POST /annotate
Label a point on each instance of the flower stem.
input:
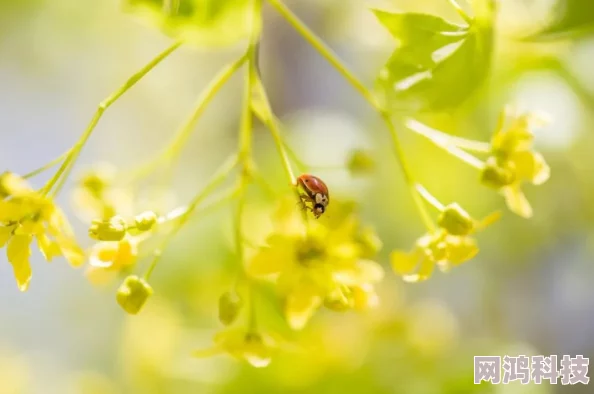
(467, 18)
(219, 177)
(445, 143)
(436, 135)
(430, 198)
(46, 166)
(179, 141)
(334, 60)
(74, 152)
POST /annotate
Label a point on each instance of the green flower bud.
(230, 305)
(360, 162)
(133, 294)
(495, 175)
(455, 220)
(113, 229)
(145, 221)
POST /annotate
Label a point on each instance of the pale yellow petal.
(530, 166)
(49, 249)
(461, 249)
(301, 304)
(5, 234)
(516, 201)
(403, 263)
(423, 273)
(270, 260)
(18, 253)
(361, 271)
(71, 251)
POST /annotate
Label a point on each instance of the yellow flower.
(26, 215)
(96, 195)
(446, 247)
(252, 347)
(108, 258)
(513, 161)
(317, 264)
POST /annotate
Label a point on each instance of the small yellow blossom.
(96, 194)
(317, 264)
(255, 348)
(27, 215)
(108, 258)
(513, 161)
(448, 246)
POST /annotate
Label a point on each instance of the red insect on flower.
(315, 192)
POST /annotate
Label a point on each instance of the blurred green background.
(528, 292)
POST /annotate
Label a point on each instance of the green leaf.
(570, 18)
(201, 22)
(436, 65)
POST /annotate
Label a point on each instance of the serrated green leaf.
(201, 22)
(437, 64)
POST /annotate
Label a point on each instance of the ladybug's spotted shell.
(313, 185)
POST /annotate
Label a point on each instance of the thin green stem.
(68, 163)
(335, 61)
(446, 139)
(219, 177)
(323, 49)
(445, 144)
(410, 182)
(181, 137)
(430, 198)
(47, 166)
(270, 121)
(467, 18)
(221, 200)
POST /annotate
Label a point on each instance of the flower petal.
(48, 248)
(531, 166)
(516, 201)
(18, 253)
(271, 259)
(362, 271)
(402, 262)
(5, 234)
(424, 272)
(301, 304)
(461, 249)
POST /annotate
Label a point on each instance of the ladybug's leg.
(304, 200)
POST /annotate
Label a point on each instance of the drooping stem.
(467, 18)
(446, 139)
(335, 61)
(74, 152)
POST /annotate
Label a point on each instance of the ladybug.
(315, 192)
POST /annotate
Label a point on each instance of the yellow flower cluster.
(27, 215)
(513, 160)
(317, 263)
(448, 246)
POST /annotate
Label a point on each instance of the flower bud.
(230, 304)
(133, 294)
(360, 162)
(455, 220)
(145, 221)
(113, 229)
(495, 175)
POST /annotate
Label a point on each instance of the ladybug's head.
(319, 209)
